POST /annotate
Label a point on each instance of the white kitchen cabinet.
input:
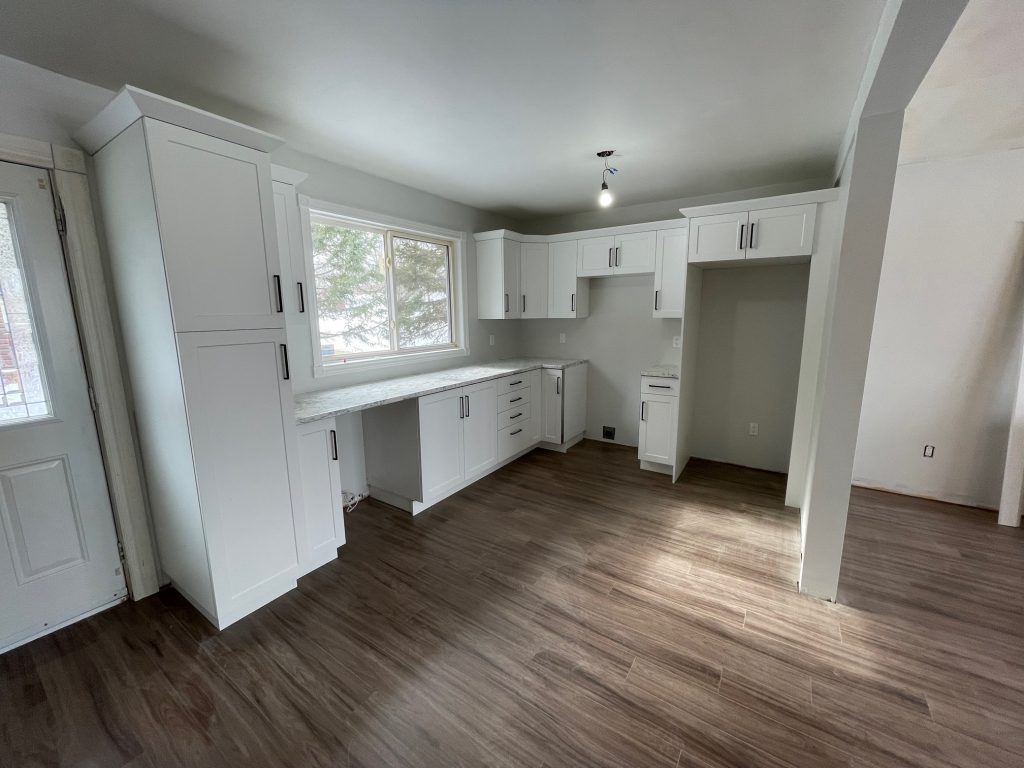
(240, 425)
(568, 294)
(634, 253)
(595, 256)
(536, 403)
(628, 254)
(767, 233)
(533, 280)
(564, 396)
(321, 501)
(480, 425)
(193, 255)
(498, 291)
(781, 232)
(214, 205)
(670, 272)
(717, 238)
(442, 442)
(658, 419)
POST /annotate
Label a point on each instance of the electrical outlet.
(561, 338)
(752, 429)
(929, 451)
(492, 339)
(608, 433)
(677, 342)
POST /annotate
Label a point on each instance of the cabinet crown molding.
(624, 229)
(778, 201)
(131, 103)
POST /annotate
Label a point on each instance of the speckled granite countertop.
(662, 371)
(311, 406)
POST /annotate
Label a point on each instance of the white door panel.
(552, 386)
(58, 547)
(657, 429)
(533, 278)
(441, 441)
(718, 238)
(595, 256)
(215, 208)
(670, 273)
(780, 232)
(480, 427)
(634, 253)
(321, 494)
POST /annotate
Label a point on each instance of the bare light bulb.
(605, 198)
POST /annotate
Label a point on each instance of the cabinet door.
(240, 415)
(634, 253)
(490, 280)
(595, 256)
(562, 280)
(533, 279)
(670, 273)
(536, 406)
(717, 238)
(215, 207)
(441, 442)
(322, 507)
(480, 427)
(552, 397)
(779, 232)
(513, 299)
(574, 401)
(658, 429)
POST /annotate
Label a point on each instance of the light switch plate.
(492, 339)
(677, 342)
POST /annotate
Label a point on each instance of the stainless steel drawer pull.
(514, 383)
(659, 386)
(516, 432)
(514, 400)
(516, 416)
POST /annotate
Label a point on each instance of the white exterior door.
(321, 494)
(552, 399)
(441, 443)
(215, 205)
(533, 279)
(480, 427)
(657, 429)
(780, 232)
(634, 253)
(58, 549)
(595, 256)
(718, 238)
(240, 407)
(670, 273)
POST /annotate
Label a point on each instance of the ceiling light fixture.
(605, 198)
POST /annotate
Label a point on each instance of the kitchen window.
(381, 293)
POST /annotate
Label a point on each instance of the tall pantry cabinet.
(188, 209)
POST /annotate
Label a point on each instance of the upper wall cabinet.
(768, 233)
(533, 279)
(215, 209)
(497, 272)
(628, 254)
(568, 294)
(670, 272)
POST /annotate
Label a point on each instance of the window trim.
(355, 217)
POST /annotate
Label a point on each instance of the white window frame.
(360, 219)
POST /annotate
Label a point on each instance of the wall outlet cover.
(929, 451)
(752, 429)
(561, 338)
(608, 433)
(677, 342)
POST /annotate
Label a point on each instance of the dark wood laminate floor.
(565, 611)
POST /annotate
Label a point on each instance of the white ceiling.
(972, 99)
(498, 104)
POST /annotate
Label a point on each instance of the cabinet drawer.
(512, 440)
(656, 385)
(518, 415)
(514, 399)
(509, 383)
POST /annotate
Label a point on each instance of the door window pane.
(422, 293)
(23, 394)
(351, 290)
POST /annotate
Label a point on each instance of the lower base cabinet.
(659, 404)
(322, 503)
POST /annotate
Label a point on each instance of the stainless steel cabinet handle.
(462, 409)
(656, 299)
(739, 246)
(658, 386)
(558, 385)
(643, 415)
(334, 445)
(515, 383)
(302, 299)
(506, 303)
(574, 302)
(618, 259)
(516, 432)
(277, 292)
(514, 400)
(284, 362)
(467, 406)
(524, 302)
(610, 257)
(516, 416)
(750, 239)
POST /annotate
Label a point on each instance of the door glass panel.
(23, 394)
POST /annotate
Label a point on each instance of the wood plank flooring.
(565, 611)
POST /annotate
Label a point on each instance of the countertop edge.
(430, 390)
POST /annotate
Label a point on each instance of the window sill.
(332, 370)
